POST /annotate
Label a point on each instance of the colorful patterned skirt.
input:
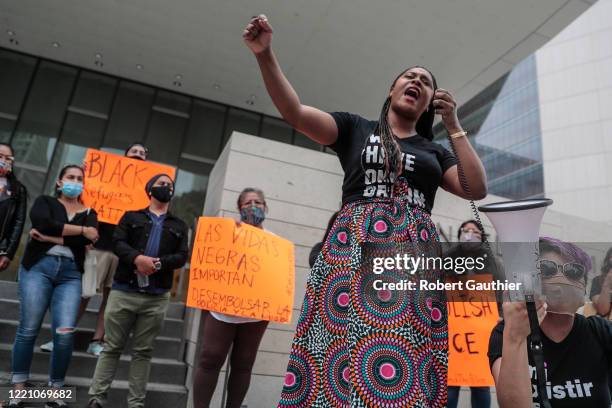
(359, 347)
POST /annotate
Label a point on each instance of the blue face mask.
(252, 215)
(71, 189)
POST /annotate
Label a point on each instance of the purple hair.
(569, 251)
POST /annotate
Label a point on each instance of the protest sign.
(115, 184)
(241, 270)
(471, 318)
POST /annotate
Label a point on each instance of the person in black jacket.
(50, 277)
(105, 266)
(150, 243)
(13, 202)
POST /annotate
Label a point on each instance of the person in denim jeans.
(50, 277)
(104, 268)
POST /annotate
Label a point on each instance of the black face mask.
(162, 194)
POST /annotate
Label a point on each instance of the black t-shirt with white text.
(576, 368)
(362, 159)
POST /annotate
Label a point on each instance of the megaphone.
(517, 224)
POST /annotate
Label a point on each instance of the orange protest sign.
(471, 318)
(241, 270)
(115, 184)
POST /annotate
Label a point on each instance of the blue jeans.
(52, 282)
(481, 397)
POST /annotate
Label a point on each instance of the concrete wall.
(303, 189)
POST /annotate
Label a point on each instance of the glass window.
(205, 130)
(164, 140)
(129, 116)
(43, 114)
(6, 129)
(33, 181)
(175, 102)
(304, 141)
(241, 121)
(94, 92)
(190, 191)
(83, 130)
(276, 129)
(15, 73)
(65, 153)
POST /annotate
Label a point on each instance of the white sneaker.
(48, 346)
(95, 348)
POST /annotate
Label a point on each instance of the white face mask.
(469, 237)
(562, 297)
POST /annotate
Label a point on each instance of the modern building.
(51, 113)
(176, 76)
(545, 128)
(504, 123)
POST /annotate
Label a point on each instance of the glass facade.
(503, 122)
(52, 112)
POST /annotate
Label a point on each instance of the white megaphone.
(517, 224)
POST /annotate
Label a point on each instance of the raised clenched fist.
(257, 35)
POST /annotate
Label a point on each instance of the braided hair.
(391, 150)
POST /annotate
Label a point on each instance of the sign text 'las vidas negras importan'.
(241, 270)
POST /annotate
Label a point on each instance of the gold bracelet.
(457, 135)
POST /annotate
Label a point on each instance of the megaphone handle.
(537, 351)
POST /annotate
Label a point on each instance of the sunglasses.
(572, 271)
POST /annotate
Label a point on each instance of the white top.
(61, 250)
(222, 317)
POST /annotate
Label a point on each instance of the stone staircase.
(166, 386)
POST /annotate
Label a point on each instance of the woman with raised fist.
(355, 346)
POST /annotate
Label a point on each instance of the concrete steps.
(158, 395)
(168, 370)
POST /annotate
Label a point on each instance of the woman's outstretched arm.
(314, 123)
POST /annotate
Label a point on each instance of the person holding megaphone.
(577, 350)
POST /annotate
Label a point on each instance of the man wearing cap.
(150, 243)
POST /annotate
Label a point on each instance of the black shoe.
(94, 404)
(56, 404)
(15, 404)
